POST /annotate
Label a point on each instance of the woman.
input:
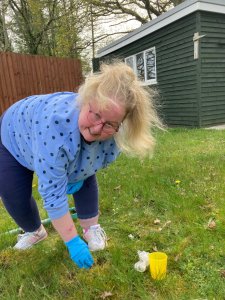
(65, 138)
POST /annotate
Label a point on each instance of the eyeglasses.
(107, 127)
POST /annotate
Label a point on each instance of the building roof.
(178, 12)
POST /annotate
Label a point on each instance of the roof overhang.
(178, 12)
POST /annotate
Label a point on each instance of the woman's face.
(98, 125)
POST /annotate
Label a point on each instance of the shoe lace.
(100, 234)
(24, 235)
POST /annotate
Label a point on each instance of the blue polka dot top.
(42, 133)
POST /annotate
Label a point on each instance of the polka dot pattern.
(42, 134)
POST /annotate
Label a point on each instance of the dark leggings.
(16, 193)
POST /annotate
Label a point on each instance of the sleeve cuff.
(57, 212)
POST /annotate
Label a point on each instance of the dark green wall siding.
(213, 68)
(192, 92)
(176, 71)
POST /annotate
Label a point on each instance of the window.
(144, 65)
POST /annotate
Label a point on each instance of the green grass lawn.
(183, 186)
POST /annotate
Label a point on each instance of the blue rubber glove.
(80, 253)
(74, 187)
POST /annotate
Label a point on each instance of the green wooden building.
(182, 53)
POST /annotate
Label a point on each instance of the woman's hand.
(80, 253)
(78, 249)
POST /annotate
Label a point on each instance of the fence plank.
(23, 75)
(5, 93)
(16, 74)
(11, 87)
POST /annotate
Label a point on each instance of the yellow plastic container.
(158, 265)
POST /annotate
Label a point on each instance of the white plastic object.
(143, 262)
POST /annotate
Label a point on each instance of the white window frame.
(134, 67)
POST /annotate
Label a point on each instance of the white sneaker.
(28, 239)
(96, 238)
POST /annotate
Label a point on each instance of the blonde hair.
(118, 82)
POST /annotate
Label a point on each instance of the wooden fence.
(23, 75)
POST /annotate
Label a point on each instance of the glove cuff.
(74, 240)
